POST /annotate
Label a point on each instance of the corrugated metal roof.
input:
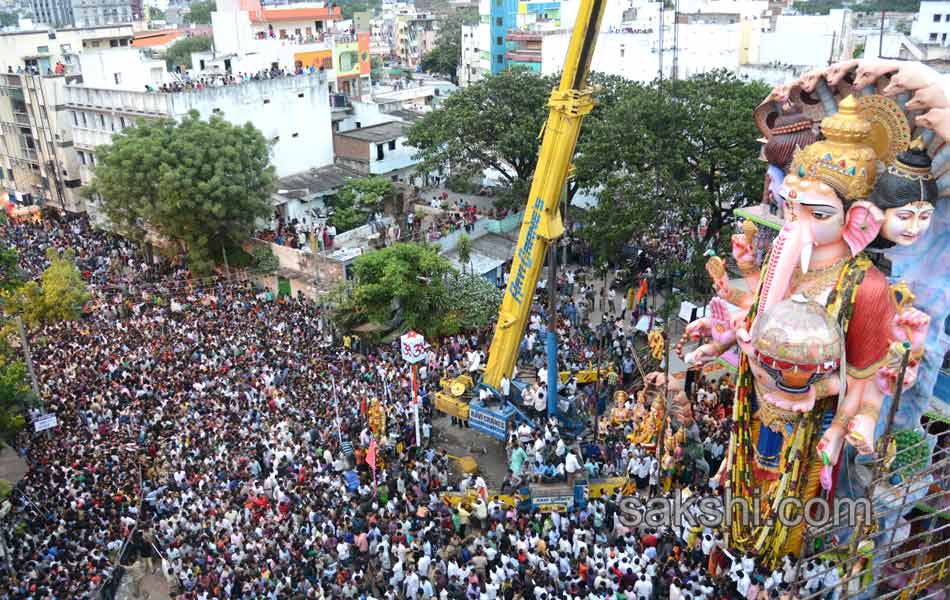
(294, 14)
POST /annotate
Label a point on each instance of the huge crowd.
(224, 436)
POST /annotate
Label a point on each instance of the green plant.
(6, 488)
(264, 259)
(913, 453)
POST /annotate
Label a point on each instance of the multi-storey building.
(249, 38)
(415, 36)
(88, 13)
(38, 163)
(55, 13)
(933, 22)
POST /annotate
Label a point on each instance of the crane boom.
(542, 224)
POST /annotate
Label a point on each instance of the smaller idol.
(907, 193)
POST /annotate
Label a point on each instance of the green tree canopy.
(202, 183)
(471, 303)
(59, 295)
(357, 200)
(8, 18)
(179, 53)
(405, 281)
(200, 13)
(678, 150)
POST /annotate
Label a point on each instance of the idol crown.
(845, 159)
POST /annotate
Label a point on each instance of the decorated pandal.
(847, 304)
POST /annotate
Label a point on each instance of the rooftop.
(316, 181)
(409, 116)
(268, 15)
(378, 133)
(147, 39)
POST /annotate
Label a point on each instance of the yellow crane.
(541, 226)
(542, 223)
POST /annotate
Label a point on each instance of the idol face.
(906, 224)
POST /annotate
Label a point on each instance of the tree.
(376, 68)
(8, 19)
(472, 303)
(492, 124)
(156, 14)
(445, 57)
(59, 295)
(357, 200)
(15, 396)
(406, 281)
(200, 13)
(202, 183)
(179, 53)
(464, 249)
(676, 151)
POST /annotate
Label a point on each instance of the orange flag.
(642, 291)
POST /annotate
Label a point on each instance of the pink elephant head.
(818, 228)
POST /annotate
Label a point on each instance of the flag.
(371, 455)
(642, 291)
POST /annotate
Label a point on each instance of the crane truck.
(541, 226)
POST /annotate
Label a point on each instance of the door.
(283, 287)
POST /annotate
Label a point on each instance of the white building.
(809, 40)
(476, 55)
(933, 22)
(636, 57)
(378, 150)
(292, 112)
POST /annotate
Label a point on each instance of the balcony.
(524, 56)
(524, 36)
(21, 118)
(30, 155)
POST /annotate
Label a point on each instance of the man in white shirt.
(505, 388)
(572, 466)
(643, 588)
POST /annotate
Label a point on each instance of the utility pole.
(29, 357)
(224, 254)
(552, 331)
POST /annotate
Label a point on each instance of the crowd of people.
(227, 438)
(190, 84)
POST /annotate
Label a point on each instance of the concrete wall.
(393, 160)
(121, 69)
(307, 272)
(347, 148)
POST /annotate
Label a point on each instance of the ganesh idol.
(821, 342)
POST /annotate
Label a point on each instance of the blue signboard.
(487, 421)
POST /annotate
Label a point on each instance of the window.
(933, 37)
(499, 22)
(936, 18)
(946, 18)
(499, 3)
(122, 122)
(42, 49)
(75, 118)
(117, 77)
(379, 152)
(392, 145)
(83, 115)
(102, 121)
(266, 100)
(499, 59)
(113, 43)
(300, 95)
(82, 157)
(295, 134)
(499, 40)
(943, 37)
(623, 50)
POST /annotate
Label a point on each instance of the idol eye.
(820, 216)
(904, 216)
(925, 217)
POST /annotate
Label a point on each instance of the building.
(90, 13)
(933, 23)
(377, 150)
(524, 49)
(41, 50)
(38, 163)
(415, 36)
(249, 38)
(292, 112)
(55, 13)
(817, 40)
(303, 196)
(475, 61)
